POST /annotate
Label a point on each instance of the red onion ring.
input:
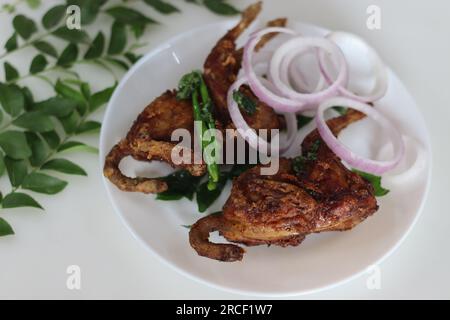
(407, 170)
(277, 102)
(249, 134)
(297, 77)
(342, 151)
(380, 89)
(298, 45)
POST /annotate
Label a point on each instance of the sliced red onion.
(296, 78)
(289, 50)
(262, 57)
(342, 151)
(277, 102)
(412, 165)
(381, 74)
(250, 135)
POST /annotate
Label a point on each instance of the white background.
(79, 226)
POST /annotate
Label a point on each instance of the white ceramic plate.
(322, 260)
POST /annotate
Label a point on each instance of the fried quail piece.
(222, 67)
(283, 208)
(150, 139)
(200, 240)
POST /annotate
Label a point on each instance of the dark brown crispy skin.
(222, 67)
(283, 208)
(149, 139)
(200, 240)
(150, 136)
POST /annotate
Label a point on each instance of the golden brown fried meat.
(112, 172)
(222, 67)
(200, 240)
(150, 136)
(283, 208)
(149, 139)
(160, 118)
(280, 22)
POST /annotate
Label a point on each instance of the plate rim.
(267, 294)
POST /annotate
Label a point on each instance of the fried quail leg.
(112, 172)
(222, 67)
(283, 208)
(200, 240)
(150, 139)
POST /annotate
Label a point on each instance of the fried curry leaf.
(312, 153)
(239, 169)
(180, 184)
(341, 110)
(188, 84)
(302, 121)
(299, 163)
(375, 181)
(245, 102)
(206, 197)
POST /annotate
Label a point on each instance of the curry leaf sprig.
(245, 102)
(183, 185)
(43, 135)
(299, 163)
(375, 181)
(35, 135)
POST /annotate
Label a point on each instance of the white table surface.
(79, 226)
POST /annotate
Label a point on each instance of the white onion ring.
(252, 138)
(278, 103)
(342, 151)
(381, 85)
(293, 47)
